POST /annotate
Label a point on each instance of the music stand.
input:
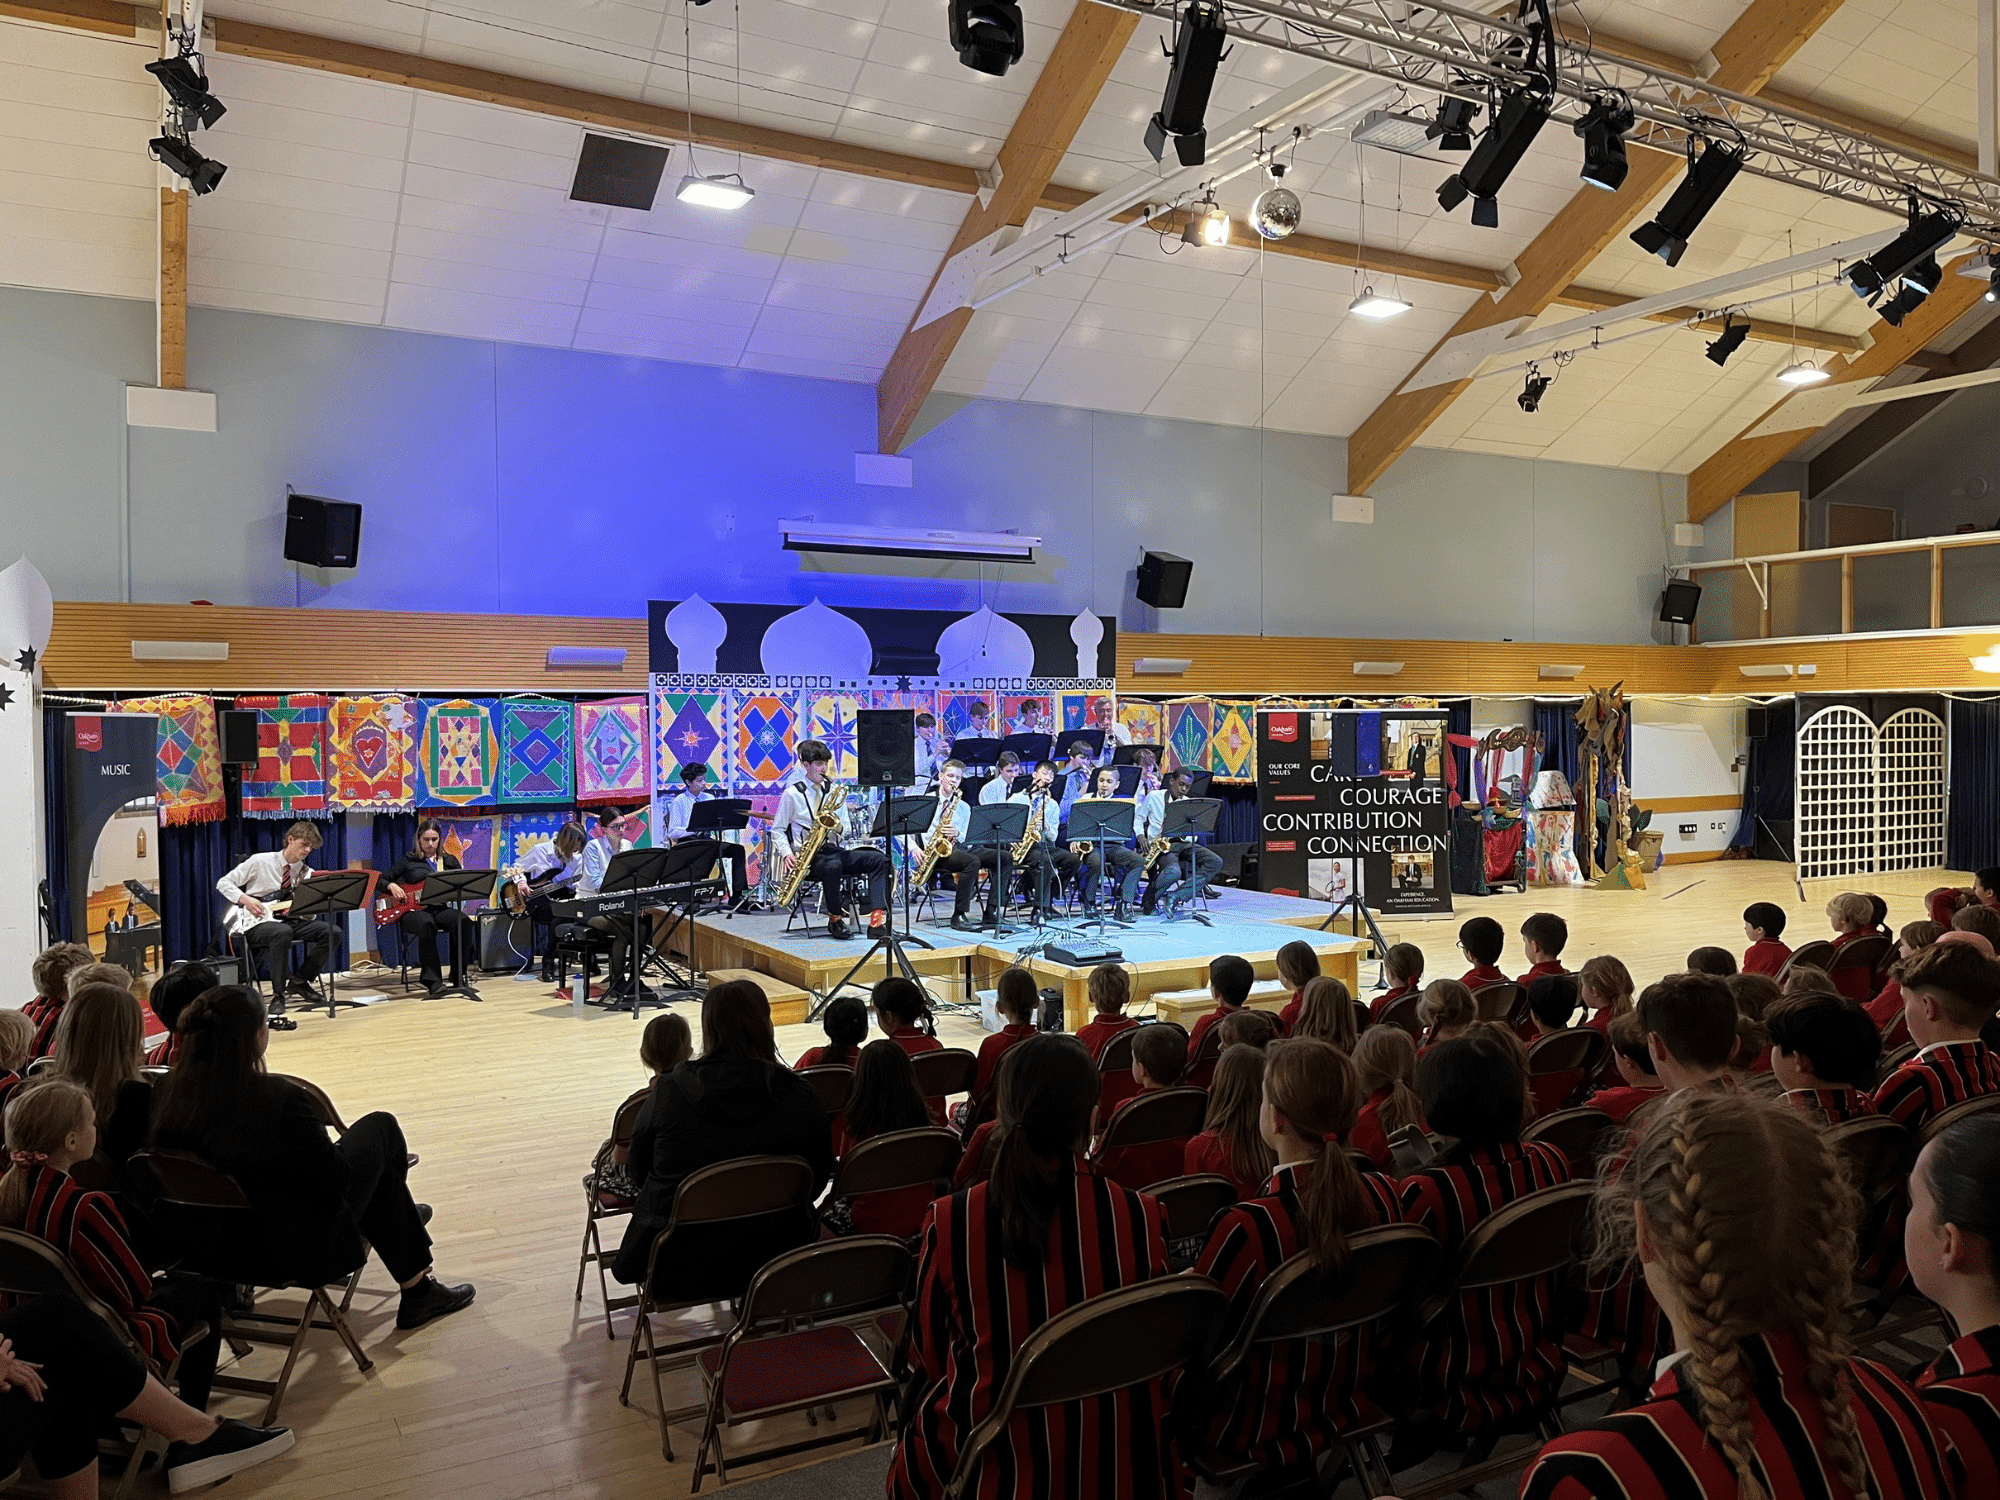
(898, 818)
(1358, 913)
(999, 826)
(1091, 737)
(975, 752)
(1032, 748)
(687, 867)
(716, 816)
(1183, 819)
(332, 893)
(1128, 755)
(1100, 822)
(454, 888)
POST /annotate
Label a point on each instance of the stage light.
(987, 35)
(1993, 286)
(181, 78)
(1728, 341)
(1209, 225)
(1499, 151)
(1452, 129)
(1708, 178)
(1376, 305)
(1927, 234)
(1909, 297)
(1197, 51)
(724, 190)
(1924, 274)
(1603, 132)
(1537, 386)
(1277, 210)
(178, 157)
(1805, 372)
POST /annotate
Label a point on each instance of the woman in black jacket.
(315, 1205)
(736, 1099)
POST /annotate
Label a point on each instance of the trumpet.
(827, 818)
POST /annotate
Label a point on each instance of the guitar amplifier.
(506, 942)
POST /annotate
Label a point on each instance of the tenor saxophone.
(827, 818)
(1034, 834)
(939, 845)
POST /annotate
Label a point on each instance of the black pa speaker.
(1757, 723)
(239, 737)
(1163, 580)
(1678, 602)
(322, 533)
(885, 745)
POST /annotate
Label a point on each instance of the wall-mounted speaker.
(1757, 723)
(239, 736)
(1163, 580)
(1678, 602)
(322, 533)
(885, 746)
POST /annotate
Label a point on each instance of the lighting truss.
(1456, 52)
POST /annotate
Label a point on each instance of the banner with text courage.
(1355, 796)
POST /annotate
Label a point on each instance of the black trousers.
(1001, 862)
(1125, 862)
(1167, 875)
(189, 1300)
(830, 867)
(89, 1375)
(422, 926)
(962, 864)
(1050, 868)
(620, 929)
(274, 940)
(378, 1193)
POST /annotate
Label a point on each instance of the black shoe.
(279, 1021)
(424, 1212)
(434, 989)
(963, 923)
(302, 987)
(233, 1447)
(837, 929)
(430, 1299)
(240, 1297)
(1121, 912)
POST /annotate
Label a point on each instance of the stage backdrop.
(1349, 794)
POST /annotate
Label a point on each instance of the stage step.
(789, 1003)
(1185, 1007)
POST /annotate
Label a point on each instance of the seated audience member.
(51, 973)
(1604, 989)
(1292, 1401)
(1446, 1010)
(1508, 1040)
(51, 1126)
(1552, 1002)
(1403, 967)
(1878, 913)
(1110, 990)
(1750, 1060)
(1886, 1009)
(1633, 1058)
(1297, 964)
(903, 1013)
(1825, 1051)
(64, 1375)
(315, 1205)
(1157, 1061)
(1690, 1026)
(1764, 926)
(1385, 1066)
(100, 1047)
(1768, 1398)
(1852, 916)
(1980, 919)
(1949, 1240)
(1950, 990)
(1717, 961)
(1754, 995)
(172, 994)
(665, 1044)
(1482, 940)
(1231, 1142)
(17, 1035)
(1494, 1358)
(845, 1023)
(1328, 1013)
(1017, 999)
(1543, 938)
(885, 1099)
(1041, 1234)
(736, 1099)
(1229, 981)
(1809, 981)
(1248, 1028)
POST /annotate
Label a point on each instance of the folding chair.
(1201, 1070)
(1386, 1270)
(1125, 1338)
(1818, 954)
(1867, 953)
(599, 1205)
(947, 1071)
(899, 1159)
(32, 1267)
(1505, 1001)
(329, 1114)
(1581, 1051)
(182, 1181)
(1146, 1119)
(1580, 1134)
(770, 1364)
(831, 1084)
(1189, 1204)
(729, 1192)
(1944, 1119)
(1402, 1012)
(1894, 1060)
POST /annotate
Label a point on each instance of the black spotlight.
(1708, 178)
(987, 35)
(1729, 340)
(1909, 297)
(1927, 234)
(1993, 286)
(1603, 131)
(181, 78)
(1198, 50)
(178, 157)
(1499, 151)
(1532, 393)
(1925, 274)
(1452, 129)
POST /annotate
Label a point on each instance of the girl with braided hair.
(1744, 1228)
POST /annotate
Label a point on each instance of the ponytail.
(38, 1119)
(1312, 1084)
(1386, 1059)
(1047, 1093)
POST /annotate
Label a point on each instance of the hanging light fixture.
(1374, 304)
(712, 189)
(1209, 225)
(1277, 210)
(1805, 372)
(724, 190)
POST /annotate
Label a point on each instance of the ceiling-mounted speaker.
(1163, 580)
(322, 533)
(239, 736)
(885, 746)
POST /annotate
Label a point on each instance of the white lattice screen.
(1870, 799)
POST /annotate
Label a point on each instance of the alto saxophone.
(827, 818)
(1034, 834)
(1150, 855)
(939, 845)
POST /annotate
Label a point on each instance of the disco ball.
(1276, 212)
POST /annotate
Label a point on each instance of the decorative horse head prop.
(1600, 722)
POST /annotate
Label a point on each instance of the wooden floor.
(507, 1100)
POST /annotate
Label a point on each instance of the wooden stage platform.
(1159, 955)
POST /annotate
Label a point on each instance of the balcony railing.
(1926, 583)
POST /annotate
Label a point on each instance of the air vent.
(618, 172)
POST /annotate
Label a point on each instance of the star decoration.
(902, 684)
(6, 695)
(26, 660)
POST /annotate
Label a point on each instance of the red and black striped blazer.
(88, 1229)
(8, 1083)
(1961, 1390)
(974, 1311)
(1288, 1402)
(1494, 1354)
(1938, 1077)
(1658, 1449)
(163, 1055)
(45, 1013)
(1831, 1104)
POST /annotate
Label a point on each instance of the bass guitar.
(392, 908)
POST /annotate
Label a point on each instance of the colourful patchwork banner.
(693, 730)
(766, 735)
(1086, 710)
(960, 716)
(370, 745)
(521, 831)
(1232, 746)
(289, 779)
(1188, 731)
(753, 837)
(535, 751)
(190, 759)
(1144, 720)
(458, 754)
(474, 838)
(612, 753)
(831, 720)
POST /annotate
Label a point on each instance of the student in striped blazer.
(1739, 1215)
(1949, 1241)
(1001, 1258)
(1292, 1400)
(1825, 1051)
(1950, 990)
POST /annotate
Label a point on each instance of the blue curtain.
(196, 855)
(1556, 724)
(1972, 834)
(1458, 720)
(393, 835)
(1767, 792)
(1236, 821)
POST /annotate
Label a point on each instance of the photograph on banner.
(1352, 798)
(112, 838)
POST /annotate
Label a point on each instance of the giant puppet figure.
(1600, 722)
